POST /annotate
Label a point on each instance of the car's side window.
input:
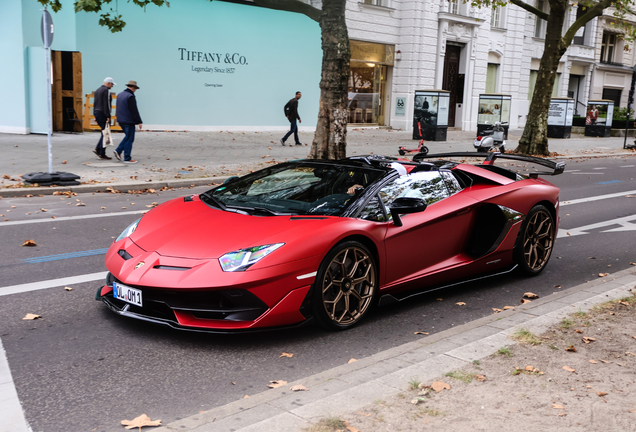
(428, 185)
(373, 211)
(451, 182)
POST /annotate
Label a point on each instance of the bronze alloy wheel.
(537, 240)
(345, 285)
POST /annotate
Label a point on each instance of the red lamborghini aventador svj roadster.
(326, 240)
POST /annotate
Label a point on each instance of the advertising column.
(598, 120)
(430, 115)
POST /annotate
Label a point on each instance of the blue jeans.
(293, 129)
(126, 144)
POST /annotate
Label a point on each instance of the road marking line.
(586, 173)
(67, 218)
(596, 198)
(11, 415)
(65, 256)
(52, 283)
(599, 168)
(626, 224)
(628, 166)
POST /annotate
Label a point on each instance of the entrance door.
(67, 97)
(451, 79)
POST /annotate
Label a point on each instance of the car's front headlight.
(242, 259)
(128, 231)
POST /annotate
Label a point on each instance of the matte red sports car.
(326, 240)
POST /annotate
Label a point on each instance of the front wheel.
(535, 241)
(345, 286)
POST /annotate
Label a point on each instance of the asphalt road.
(83, 368)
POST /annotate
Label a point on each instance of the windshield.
(303, 188)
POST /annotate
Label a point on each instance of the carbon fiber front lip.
(174, 325)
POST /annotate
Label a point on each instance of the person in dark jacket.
(101, 110)
(128, 118)
(291, 111)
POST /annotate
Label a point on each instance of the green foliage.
(465, 377)
(414, 384)
(621, 114)
(526, 336)
(504, 351)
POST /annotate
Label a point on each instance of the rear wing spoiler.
(489, 159)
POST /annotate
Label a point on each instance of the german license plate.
(128, 294)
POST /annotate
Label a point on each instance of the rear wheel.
(345, 286)
(535, 241)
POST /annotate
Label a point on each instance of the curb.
(352, 386)
(102, 187)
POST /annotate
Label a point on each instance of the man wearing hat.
(127, 117)
(101, 111)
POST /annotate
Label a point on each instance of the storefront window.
(367, 81)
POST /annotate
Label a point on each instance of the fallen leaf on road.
(439, 299)
(31, 316)
(480, 377)
(508, 307)
(557, 286)
(352, 360)
(141, 421)
(68, 288)
(562, 414)
(80, 204)
(630, 353)
(497, 310)
(29, 243)
(246, 396)
(605, 361)
(578, 331)
(418, 332)
(438, 386)
(530, 295)
(529, 368)
(350, 428)
(276, 383)
(601, 393)
(632, 411)
(43, 210)
(524, 301)
(624, 303)
(64, 162)
(569, 369)
(603, 274)
(555, 406)
(298, 387)
(460, 304)
(587, 340)
(286, 355)
(593, 362)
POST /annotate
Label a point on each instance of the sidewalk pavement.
(346, 389)
(183, 158)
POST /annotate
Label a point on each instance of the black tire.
(401, 152)
(424, 150)
(345, 287)
(535, 241)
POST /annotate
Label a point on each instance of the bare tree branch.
(591, 13)
(531, 9)
(291, 6)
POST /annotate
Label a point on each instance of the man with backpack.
(291, 112)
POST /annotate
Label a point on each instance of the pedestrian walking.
(101, 110)
(291, 112)
(128, 118)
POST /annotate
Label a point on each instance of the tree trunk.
(534, 139)
(330, 140)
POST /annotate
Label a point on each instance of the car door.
(428, 241)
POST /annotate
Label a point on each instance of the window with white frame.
(608, 48)
(495, 17)
(541, 24)
(491, 78)
(384, 3)
(453, 6)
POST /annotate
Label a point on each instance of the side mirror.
(405, 206)
(230, 179)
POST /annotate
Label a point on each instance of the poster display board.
(560, 117)
(430, 110)
(598, 117)
(493, 107)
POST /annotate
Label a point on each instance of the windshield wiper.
(260, 211)
(214, 201)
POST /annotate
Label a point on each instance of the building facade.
(232, 66)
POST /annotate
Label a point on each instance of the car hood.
(192, 229)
